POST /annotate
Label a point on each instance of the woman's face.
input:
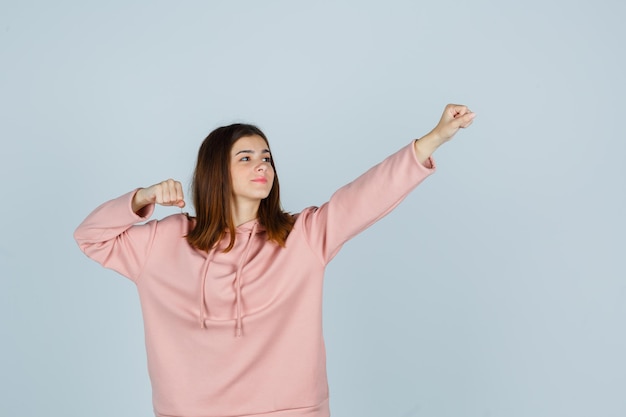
(251, 170)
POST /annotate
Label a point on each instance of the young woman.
(232, 298)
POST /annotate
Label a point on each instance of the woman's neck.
(243, 212)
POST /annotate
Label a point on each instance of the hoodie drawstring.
(242, 261)
(205, 271)
(239, 324)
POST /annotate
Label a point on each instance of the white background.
(498, 288)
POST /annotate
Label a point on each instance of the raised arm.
(359, 204)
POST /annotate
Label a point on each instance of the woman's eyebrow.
(251, 151)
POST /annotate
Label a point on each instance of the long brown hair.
(212, 190)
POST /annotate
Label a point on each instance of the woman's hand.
(454, 117)
(166, 193)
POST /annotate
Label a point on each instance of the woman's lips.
(260, 180)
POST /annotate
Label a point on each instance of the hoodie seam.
(153, 232)
(305, 233)
(268, 413)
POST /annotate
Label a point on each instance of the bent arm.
(111, 236)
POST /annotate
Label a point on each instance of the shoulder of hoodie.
(185, 220)
(178, 224)
(303, 215)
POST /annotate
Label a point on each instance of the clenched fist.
(454, 117)
(166, 193)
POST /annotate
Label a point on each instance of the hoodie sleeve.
(111, 237)
(359, 204)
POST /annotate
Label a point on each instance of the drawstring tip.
(202, 324)
(238, 331)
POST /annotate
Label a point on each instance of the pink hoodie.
(195, 305)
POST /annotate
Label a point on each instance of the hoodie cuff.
(144, 213)
(428, 164)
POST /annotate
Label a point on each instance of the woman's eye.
(247, 158)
